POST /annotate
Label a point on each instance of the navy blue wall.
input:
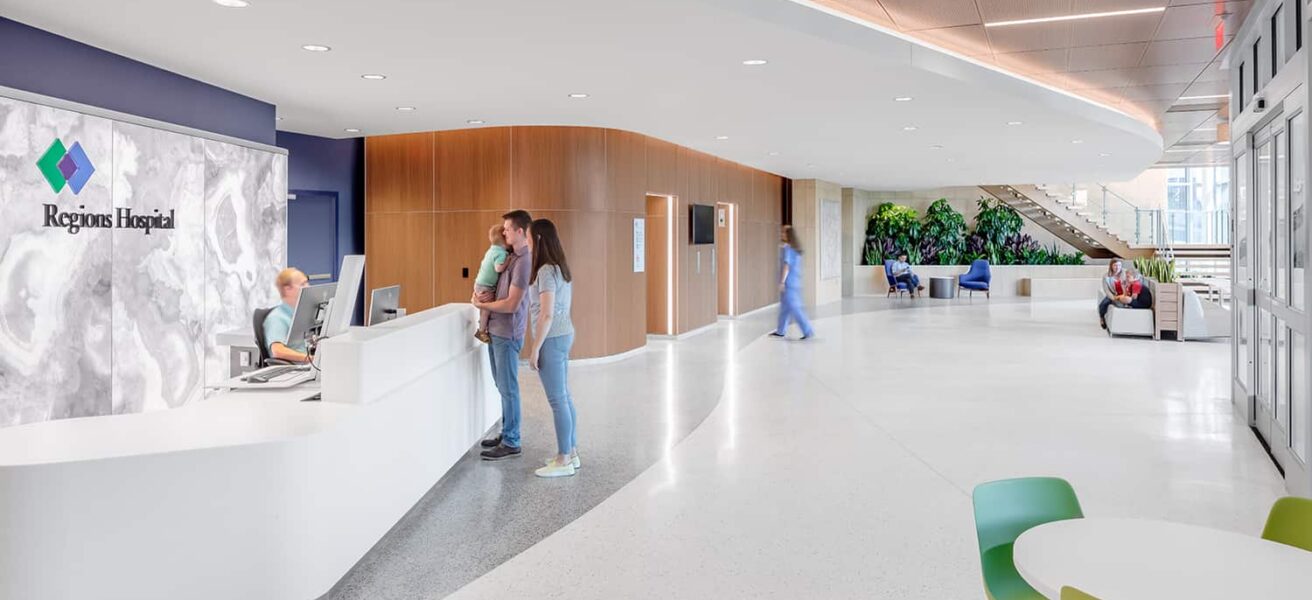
(327, 165)
(41, 62)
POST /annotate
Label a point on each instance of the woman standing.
(550, 296)
(790, 285)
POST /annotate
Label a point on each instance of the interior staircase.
(1073, 224)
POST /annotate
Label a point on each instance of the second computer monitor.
(311, 307)
(383, 303)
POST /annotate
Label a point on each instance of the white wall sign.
(639, 245)
(831, 243)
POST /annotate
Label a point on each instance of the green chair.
(1070, 593)
(1290, 522)
(1004, 510)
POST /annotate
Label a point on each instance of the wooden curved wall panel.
(431, 197)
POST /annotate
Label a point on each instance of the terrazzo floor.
(733, 465)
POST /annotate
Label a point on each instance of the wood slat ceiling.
(1140, 64)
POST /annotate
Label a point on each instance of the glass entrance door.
(1271, 357)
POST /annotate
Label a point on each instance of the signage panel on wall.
(639, 245)
(124, 249)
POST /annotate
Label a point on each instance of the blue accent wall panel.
(41, 62)
(316, 164)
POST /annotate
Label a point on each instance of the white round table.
(1139, 559)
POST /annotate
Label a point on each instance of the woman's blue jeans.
(553, 369)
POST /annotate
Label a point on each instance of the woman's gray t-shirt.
(551, 280)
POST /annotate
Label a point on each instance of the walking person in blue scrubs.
(790, 286)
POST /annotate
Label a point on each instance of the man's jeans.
(504, 355)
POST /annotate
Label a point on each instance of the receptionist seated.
(279, 322)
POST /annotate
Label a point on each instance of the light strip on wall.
(1097, 15)
(1207, 97)
(733, 262)
(669, 264)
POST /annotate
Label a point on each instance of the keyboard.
(268, 374)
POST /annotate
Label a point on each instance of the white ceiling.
(671, 69)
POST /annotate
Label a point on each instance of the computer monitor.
(311, 309)
(383, 303)
(348, 292)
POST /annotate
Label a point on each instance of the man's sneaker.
(491, 442)
(483, 336)
(500, 453)
(554, 470)
(574, 460)
(776, 334)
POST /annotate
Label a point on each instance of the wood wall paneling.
(557, 168)
(473, 169)
(662, 167)
(626, 291)
(626, 172)
(432, 196)
(657, 266)
(399, 173)
(399, 247)
(461, 243)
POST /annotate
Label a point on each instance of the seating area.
(1030, 512)
(977, 278)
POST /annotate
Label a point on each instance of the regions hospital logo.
(69, 166)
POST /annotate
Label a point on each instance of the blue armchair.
(977, 278)
(893, 284)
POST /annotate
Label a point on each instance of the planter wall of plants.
(941, 237)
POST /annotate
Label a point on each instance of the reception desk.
(249, 494)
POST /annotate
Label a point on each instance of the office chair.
(257, 323)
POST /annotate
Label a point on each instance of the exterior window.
(1277, 53)
(1257, 68)
(1297, 208)
(1242, 99)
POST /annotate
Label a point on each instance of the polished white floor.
(842, 467)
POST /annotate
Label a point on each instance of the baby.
(485, 284)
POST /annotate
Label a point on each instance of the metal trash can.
(942, 287)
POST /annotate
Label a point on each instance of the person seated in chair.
(902, 274)
(279, 322)
(1132, 292)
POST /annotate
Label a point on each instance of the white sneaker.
(555, 470)
(574, 461)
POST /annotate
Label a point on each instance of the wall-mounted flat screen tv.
(702, 224)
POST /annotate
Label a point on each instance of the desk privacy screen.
(124, 249)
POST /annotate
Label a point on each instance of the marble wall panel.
(159, 280)
(245, 240)
(54, 284)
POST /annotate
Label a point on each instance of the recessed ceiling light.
(951, 159)
(909, 128)
(1077, 141)
(721, 137)
(936, 147)
(1096, 15)
(315, 48)
(903, 99)
(810, 165)
(578, 95)
(373, 77)
(1207, 97)
(232, 3)
(774, 154)
(755, 62)
(475, 121)
(405, 108)
(1014, 123)
(351, 130)
(1104, 154)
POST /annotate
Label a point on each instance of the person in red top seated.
(1131, 291)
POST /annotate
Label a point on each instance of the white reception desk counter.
(249, 494)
